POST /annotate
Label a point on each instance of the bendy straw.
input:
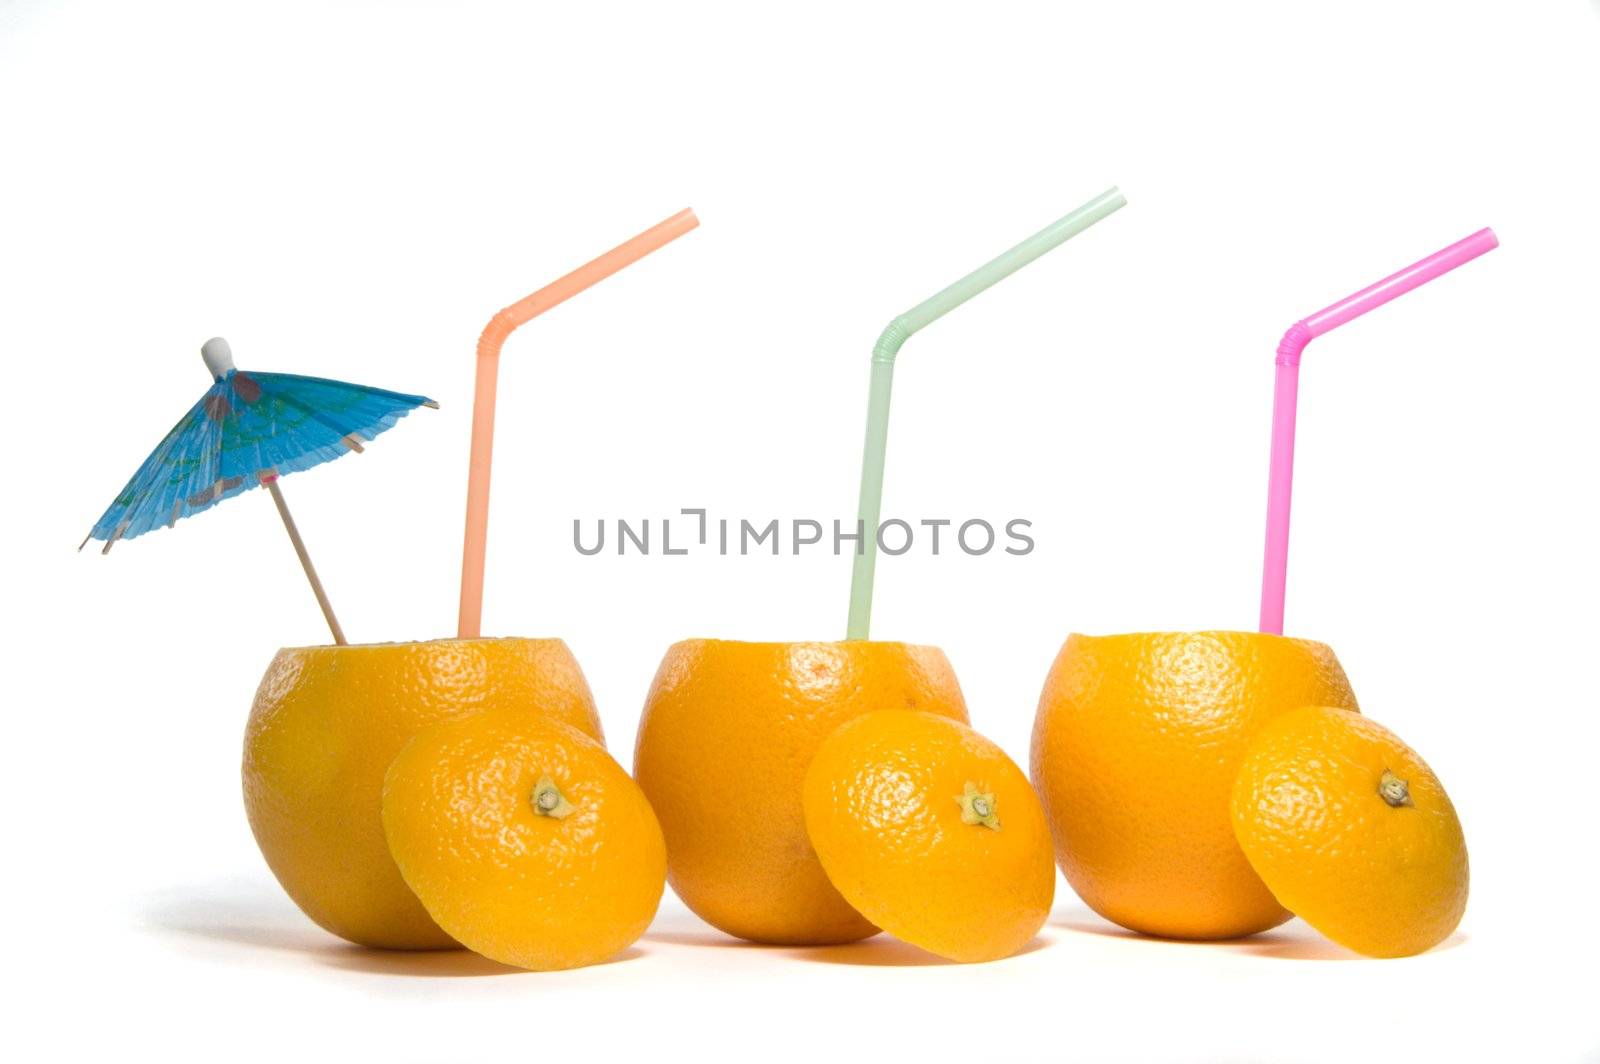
(888, 346)
(476, 539)
(1275, 565)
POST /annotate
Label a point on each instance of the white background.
(350, 190)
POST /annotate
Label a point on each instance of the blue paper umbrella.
(249, 429)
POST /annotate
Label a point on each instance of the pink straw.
(1275, 566)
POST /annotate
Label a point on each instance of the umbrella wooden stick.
(305, 559)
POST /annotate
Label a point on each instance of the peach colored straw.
(494, 336)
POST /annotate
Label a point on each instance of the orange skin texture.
(882, 810)
(326, 723)
(530, 890)
(1384, 880)
(728, 732)
(1136, 745)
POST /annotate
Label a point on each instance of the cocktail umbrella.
(247, 429)
(1285, 399)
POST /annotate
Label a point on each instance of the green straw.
(889, 343)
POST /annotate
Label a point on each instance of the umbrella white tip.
(218, 356)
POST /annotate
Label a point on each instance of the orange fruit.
(932, 833)
(524, 839)
(727, 734)
(1352, 832)
(1135, 748)
(326, 723)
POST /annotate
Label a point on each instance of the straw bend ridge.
(893, 337)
